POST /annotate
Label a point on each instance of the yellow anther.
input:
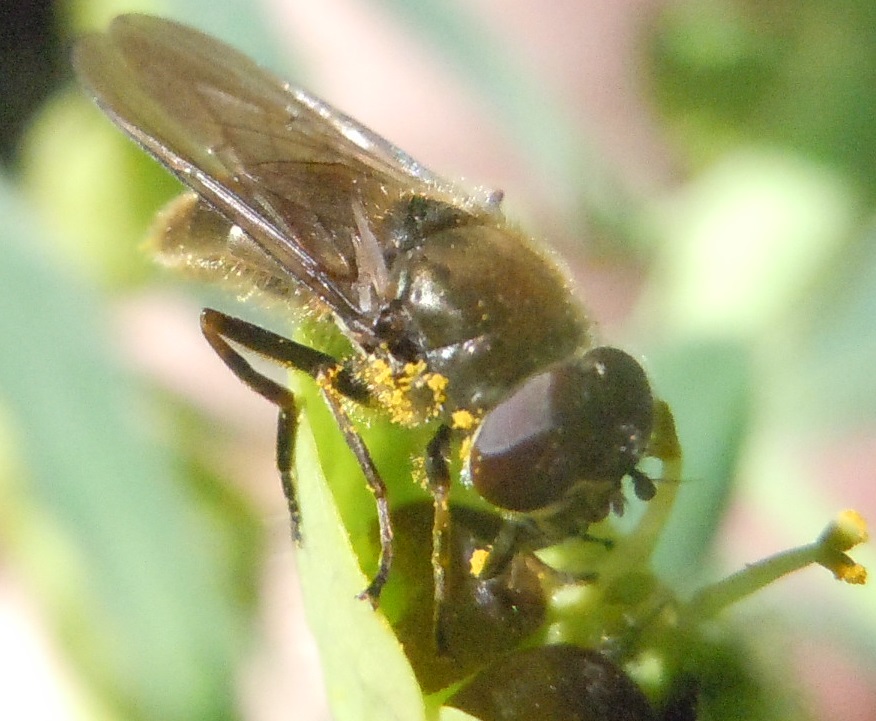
(846, 531)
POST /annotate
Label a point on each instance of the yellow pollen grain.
(412, 370)
(382, 373)
(326, 379)
(465, 448)
(436, 382)
(463, 420)
(410, 395)
(418, 472)
(477, 561)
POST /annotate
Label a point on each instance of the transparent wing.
(294, 174)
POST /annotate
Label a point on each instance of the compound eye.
(588, 419)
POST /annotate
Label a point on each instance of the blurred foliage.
(129, 561)
(795, 74)
(756, 319)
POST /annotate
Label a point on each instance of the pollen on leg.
(410, 395)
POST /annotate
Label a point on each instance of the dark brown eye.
(587, 420)
(554, 683)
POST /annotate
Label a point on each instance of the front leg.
(221, 330)
(375, 483)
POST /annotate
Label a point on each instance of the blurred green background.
(706, 169)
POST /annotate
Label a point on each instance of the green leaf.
(708, 386)
(367, 675)
(454, 714)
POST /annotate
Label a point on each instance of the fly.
(455, 317)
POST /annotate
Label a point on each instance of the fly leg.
(221, 331)
(512, 536)
(438, 476)
(330, 393)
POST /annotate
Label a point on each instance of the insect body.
(455, 317)
(483, 618)
(555, 683)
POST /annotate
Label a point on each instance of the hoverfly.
(455, 317)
